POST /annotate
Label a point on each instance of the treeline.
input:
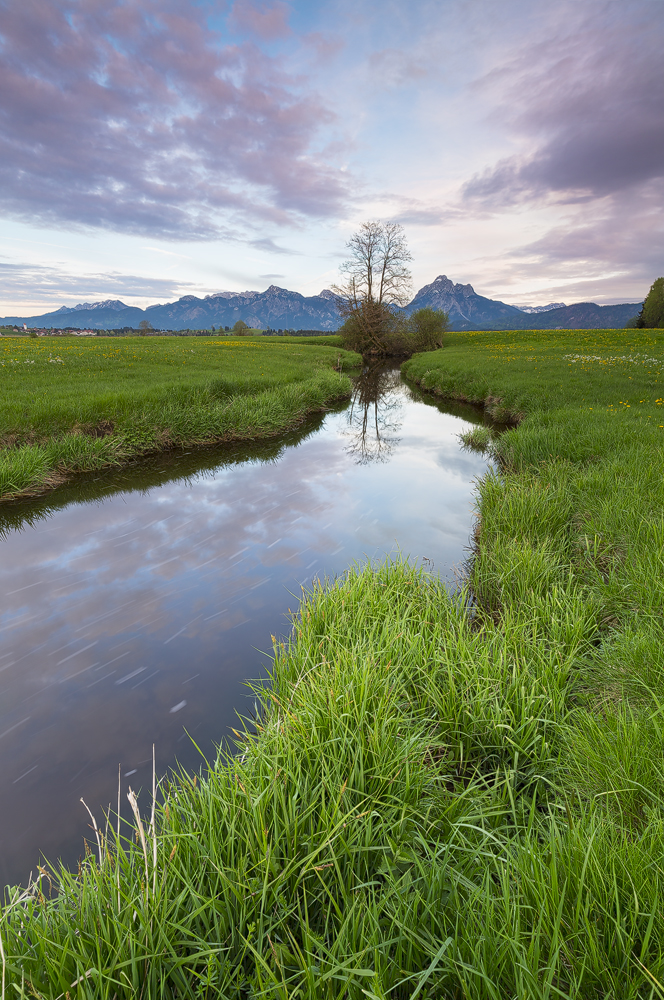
(269, 332)
(128, 331)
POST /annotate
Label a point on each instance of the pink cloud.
(267, 23)
(135, 116)
(590, 125)
(325, 46)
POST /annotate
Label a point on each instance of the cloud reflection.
(136, 617)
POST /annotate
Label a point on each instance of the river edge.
(471, 830)
(35, 469)
(122, 453)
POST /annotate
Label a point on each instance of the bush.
(372, 328)
(426, 328)
(376, 329)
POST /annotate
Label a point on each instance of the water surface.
(137, 603)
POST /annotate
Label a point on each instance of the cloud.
(268, 23)
(269, 277)
(610, 240)
(269, 246)
(581, 107)
(135, 117)
(46, 283)
(586, 107)
(415, 212)
(168, 253)
(606, 251)
(394, 67)
(627, 236)
(325, 45)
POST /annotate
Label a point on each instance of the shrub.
(373, 328)
(426, 328)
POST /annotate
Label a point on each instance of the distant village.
(14, 331)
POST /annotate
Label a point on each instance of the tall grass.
(444, 796)
(396, 826)
(93, 405)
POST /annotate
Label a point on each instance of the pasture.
(70, 404)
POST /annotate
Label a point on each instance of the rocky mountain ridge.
(542, 309)
(279, 308)
(114, 304)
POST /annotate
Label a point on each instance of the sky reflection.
(137, 616)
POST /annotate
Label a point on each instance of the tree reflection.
(374, 417)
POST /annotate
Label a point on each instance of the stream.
(137, 603)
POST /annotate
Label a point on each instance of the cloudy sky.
(156, 148)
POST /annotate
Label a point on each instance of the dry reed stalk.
(96, 830)
(133, 802)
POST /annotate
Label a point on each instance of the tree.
(144, 326)
(426, 328)
(375, 279)
(652, 311)
(240, 327)
(375, 415)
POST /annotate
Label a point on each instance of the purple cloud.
(268, 23)
(135, 116)
(395, 68)
(269, 246)
(47, 281)
(586, 105)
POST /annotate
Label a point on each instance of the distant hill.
(542, 309)
(470, 311)
(278, 308)
(107, 304)
(581, 316)
(467, 310)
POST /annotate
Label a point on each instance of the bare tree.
(375, 277)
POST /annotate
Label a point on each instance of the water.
(137, 603)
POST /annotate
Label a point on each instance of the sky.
(151, 149)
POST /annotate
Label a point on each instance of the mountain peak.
(444, 284)
(542, 309)
(467, 310)
(114, 304)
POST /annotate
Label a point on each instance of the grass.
(75, 404)
(528, 371)
(477, 438)
(446, 796)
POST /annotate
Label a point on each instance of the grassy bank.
(448, 797)
(73, 404)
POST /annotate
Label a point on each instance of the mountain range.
(279, 308)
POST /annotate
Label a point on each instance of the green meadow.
(446, 795)
(70, 404)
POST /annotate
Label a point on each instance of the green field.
(69, 404)
(532, 371)
(447, 797)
